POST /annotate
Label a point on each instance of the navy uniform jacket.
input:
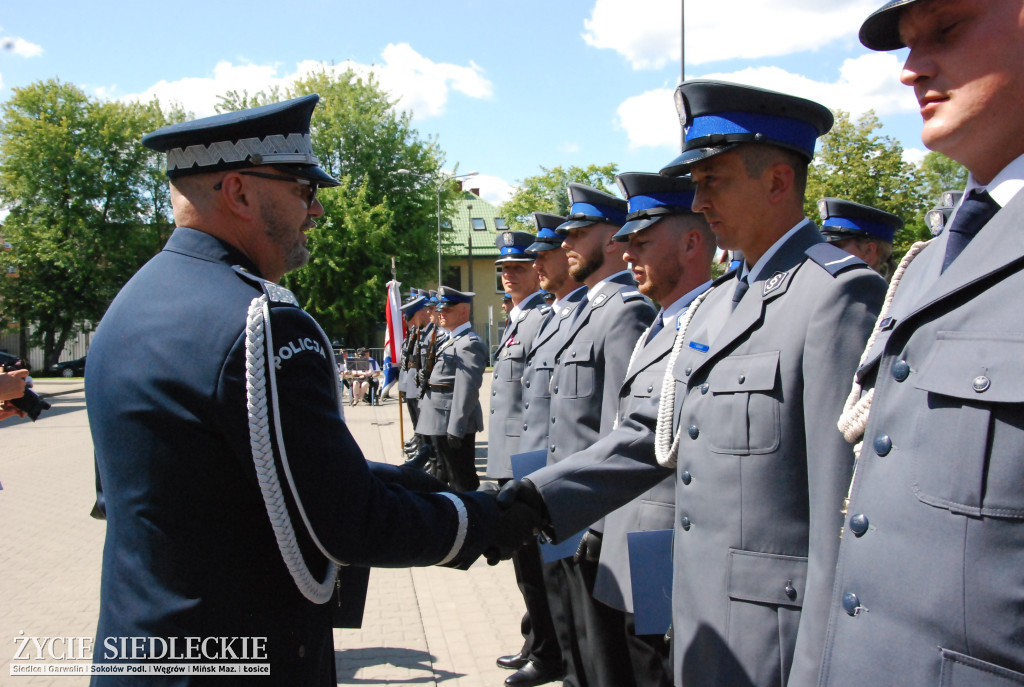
(591, 363)
(407, 377)
(506, 419)
(452, 404)
(540, 364)
(931, 563)
(762, 470)
(655, 508)
(189, 549)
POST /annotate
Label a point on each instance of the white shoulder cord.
(666, 447)
(258, 344)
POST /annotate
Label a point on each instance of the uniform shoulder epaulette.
(275, 293)
(544, 310)
(833, 258)
(631, 295)
(731, 274)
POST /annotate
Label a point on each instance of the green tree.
(856, 163)
(361, 138)
(545, 192)
(86, 207)
(939, 173)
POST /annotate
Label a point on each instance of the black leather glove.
(589, 548)
(523, 514)
(454, 441)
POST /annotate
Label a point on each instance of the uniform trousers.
(413, 404)
(458, 464)
(537, 627)
(650, 655)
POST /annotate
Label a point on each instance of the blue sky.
(507, 86)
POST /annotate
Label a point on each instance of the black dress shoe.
(534, 673)
(513, 662)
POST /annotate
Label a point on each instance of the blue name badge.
(650, 571)
(703, 348)
(523, 464)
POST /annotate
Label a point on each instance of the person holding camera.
(12, 387)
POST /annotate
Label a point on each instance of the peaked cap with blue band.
(414, 306)
(446, 296)
(718, 116)
(275, 134)
(652, 197)
(844, 219)
(590, 206)
(512, 245)
(547, 238)
(881, 30)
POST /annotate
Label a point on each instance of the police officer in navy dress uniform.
(525, 317)
(929, 587)
(860, 230)
(745, 414)
(451, 414)
(590, 364)
(670, 249)
(233, 488)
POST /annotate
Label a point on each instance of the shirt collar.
(1004, 186)
(559, 306)
(752, 274)
(516, 311)
(461, 328)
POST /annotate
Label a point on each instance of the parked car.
(12, 362)
(69, 368)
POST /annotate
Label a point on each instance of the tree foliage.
(856, 163)
(545, 192)
(87, 205)
(939, 173)
(377, 214)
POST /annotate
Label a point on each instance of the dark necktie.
(975, 211)
(741, 288)
(580, 307)
(658, 325)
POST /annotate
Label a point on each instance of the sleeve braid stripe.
(460, 535)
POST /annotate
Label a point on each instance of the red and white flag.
(394, 337)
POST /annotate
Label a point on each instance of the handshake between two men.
(523, 516)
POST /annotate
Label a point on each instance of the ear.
(234, 197)
(780, 181)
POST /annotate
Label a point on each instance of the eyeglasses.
(312, 187)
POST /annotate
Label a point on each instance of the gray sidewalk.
(422, 626)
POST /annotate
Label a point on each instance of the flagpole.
(401, 417)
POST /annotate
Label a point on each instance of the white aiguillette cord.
(259, 346)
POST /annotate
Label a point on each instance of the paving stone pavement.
(422, 626)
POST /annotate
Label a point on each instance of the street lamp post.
(439, 181)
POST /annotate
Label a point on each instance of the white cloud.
(416, 82)
(646, 32)
(865, 83)
(914, 156)
(569, 147)
(21, 47)
(494, 190)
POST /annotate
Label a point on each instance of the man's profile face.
(584, 250)
(552, 268)
(518, 279)
(452, 316)
(286, 218)
(966, 66)
(730, 199)
(656, 258)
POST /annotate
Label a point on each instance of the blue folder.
(650, 569)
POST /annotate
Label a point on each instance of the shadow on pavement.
(349, 661)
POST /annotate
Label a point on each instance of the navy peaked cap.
(590, 206)
(718, 116)
(881, 30)
(275, 134)
(414, 306)
(652, 197)
(843, 219)
(547, 236)
(446, 295)
(512, 246)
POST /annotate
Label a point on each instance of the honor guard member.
(528, 310)
(431, 337)
(670, 249)
(860, 230)
(755, 374)
(590, 364)
(416, 317)
(929, 588)
(541, 660)
(451, 414)
(233, 488)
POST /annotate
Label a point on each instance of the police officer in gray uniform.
(527, 314)
(669, 249)
(451, 414)
(929, 588)
(744, 416)
(540, 659)
(233, 488)
(590, 364)
(414, 310)
(860, 230)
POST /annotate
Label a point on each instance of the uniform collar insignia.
(773, 283)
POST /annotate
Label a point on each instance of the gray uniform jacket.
(506, 421)
(453, 400)
(652, 510)
(930, 582)
(762, 469)
(591, 363)
(426, 338)
(540, 364)
(407, 378)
